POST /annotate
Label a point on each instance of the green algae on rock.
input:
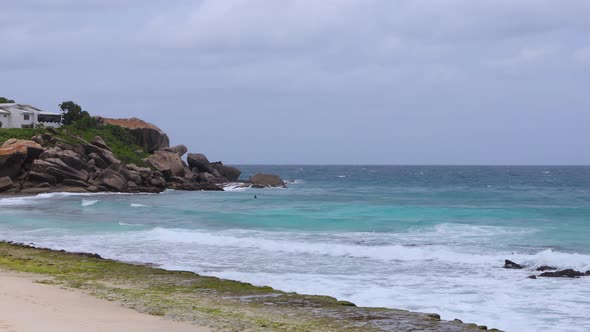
(223, 305)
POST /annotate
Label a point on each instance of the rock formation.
(262, 180)
(147, 136)
(48, 163)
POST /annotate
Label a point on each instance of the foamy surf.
(89, 202)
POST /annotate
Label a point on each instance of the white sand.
(26, 306)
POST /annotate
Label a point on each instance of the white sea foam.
(235, 187)
(89, 202)
(135, 205)
(341, 176)
(127, 224)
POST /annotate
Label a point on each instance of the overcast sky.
(318, 82)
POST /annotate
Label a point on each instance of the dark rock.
(103, 154)
(180, 149)
(112, 181)
(567, 273)
(98, 161)
(75, 183)
(98, 141)
(158, 182)
(508, 264)
(210, 187)
(143, 171)
(266, 180)
(532, 277)
(35, 191)
(199, 161)
(69, 157)
(232, 174)
(59, 169)
(42, 177)
(545, 268)
(5, 183)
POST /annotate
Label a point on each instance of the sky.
(318, 82)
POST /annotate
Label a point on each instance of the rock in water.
(508, 264)
(545, 268)
(567, 273)
(200, 162)
(267, 180)
(232, 174)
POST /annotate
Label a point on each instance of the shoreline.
(208, 301)
(27, 304)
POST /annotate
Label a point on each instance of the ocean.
(421, 238)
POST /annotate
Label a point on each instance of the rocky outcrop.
(16, 154)
(508, 264)
(199, 162)
(567, 273)
(169, 163)
(232, 174)
(148, 136)
(262, 180)
(180, 149)
(51, 162)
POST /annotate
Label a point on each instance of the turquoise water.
(424, 238)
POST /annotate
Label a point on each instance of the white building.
(25, 116)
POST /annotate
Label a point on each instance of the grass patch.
(117, 138)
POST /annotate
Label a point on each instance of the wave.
(235, 187)
(26, 200)
(386, 252)
(132, 225)
(294, 181)
(138, 205)
(89, 202)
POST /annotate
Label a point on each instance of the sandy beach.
(28, 306)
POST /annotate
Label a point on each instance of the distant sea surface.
(422, 238)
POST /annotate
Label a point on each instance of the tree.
(6, 100)
(72, 112)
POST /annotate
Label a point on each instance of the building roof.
(28, 109)
(3, 111)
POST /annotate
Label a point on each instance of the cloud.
(381, 69)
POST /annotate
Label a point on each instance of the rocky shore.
(60, 160)
(222, 305)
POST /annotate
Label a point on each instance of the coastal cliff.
(109, 155)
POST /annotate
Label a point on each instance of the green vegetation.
(72, 113)
(222, 304)
(79, 127)
(6, 100)
(118, 139)
(18, 133)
